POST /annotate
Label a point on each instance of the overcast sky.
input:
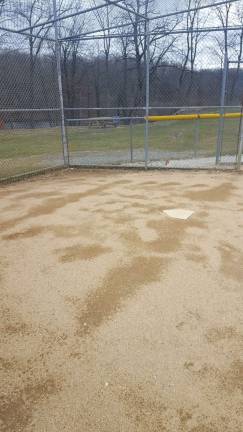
(206, 58)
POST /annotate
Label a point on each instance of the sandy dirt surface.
(114, 317)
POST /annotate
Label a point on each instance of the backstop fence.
(84, 87)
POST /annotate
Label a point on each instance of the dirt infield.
(114, 317)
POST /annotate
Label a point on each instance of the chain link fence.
(104, 88)
(30, 135)
(30, 141)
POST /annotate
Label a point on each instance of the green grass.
(181, 136)
(173, 136)
(29, 142)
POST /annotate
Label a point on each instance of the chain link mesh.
(104, 85)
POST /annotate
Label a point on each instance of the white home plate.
(179, 213)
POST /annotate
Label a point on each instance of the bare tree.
(138, 42)
(224, 40)
(1, 6)
(134, 47)
(2, 3)
(104, 19)
(223, 14)
(237, 48)
(122, 95)
(193, 20)
(71, 51)
(30, 13)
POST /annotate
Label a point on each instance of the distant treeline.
(119, 82)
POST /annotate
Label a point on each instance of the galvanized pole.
(240, 144)
(197, 137)
(60, 89)
(222, 109)
(147, 98)
(131, 140)
(240, 148)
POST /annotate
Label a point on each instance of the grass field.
(167, 136)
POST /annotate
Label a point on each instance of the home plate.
(179, 213)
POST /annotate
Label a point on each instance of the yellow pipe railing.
(233, 115)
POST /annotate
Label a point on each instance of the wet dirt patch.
(122, 182)
(9, 207)
(119, 284)
(185, 416)
(109, 210)
(199, 185)
(171, 233)
(161, 184)
(148, 183)
(67, 231)
(16, 411)
(205, 427)
(121, 220)
(6, 364)
(228, 379)
(216, 194)
(15, 191)
(231, 261)
(31, 232)
(39, 195)
(146, 410)
(141, 205)
(197, 258)
(3, 266)
(15, 329)
(219, 334)
(194, 248)
(232, 379)
(191, 320)
(81, 252)
(134, 197)
(12, 323)
(47, 208)
(61, 231)
(50, 205)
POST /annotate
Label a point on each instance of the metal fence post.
(240, 146)
(222, 109)
(131, 140)
(60, 88)
(147, 90)
(197, 137)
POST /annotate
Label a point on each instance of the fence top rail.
(151, 107)
(103, 108)
(104, 119)
(159, 33)
(197, 107)
(13, 110)
(119, 4)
